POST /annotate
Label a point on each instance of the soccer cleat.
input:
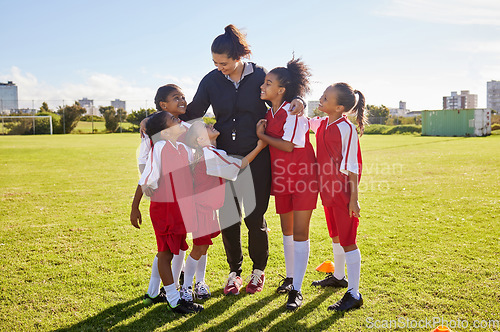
(331, 281)
(186, 293)
(347, 303)
(162, 297)
(294, 300)
(286, 285)
(256, 283)
(201, 290)
(233, 284)
(184, 307)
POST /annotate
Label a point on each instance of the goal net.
(26, 125)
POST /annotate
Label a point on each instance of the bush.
(88, 118)
(495, 126)
(389, 130)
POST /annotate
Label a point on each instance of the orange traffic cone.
(326, 266)
(441, 328)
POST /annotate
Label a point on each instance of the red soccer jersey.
(168, 173)
(338, 153)
(293, 171)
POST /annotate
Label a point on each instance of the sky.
(416, 51)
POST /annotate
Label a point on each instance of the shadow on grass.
(108, 318)
(158, 316)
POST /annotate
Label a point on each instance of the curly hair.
(294, 78)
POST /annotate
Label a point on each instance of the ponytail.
(359, 110)
(346, 96)
(232, 43)
(294, 78)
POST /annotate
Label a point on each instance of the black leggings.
(255, 204)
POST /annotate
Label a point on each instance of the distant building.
(117, 103)
(88, 104)
(464, 100)
(401, 111)
(493, 95)
(8, 97)
(311, 106)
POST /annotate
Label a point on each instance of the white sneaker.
(186, 293)
(201, 290)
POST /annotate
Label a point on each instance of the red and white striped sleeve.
(152, 171)
(220, 164)
(349, 136)
(315, 122)
(295, 130)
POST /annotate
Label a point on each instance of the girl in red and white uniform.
(211, 167)
(167, 180)
(339, 165)
(169, 98)
(294, 175)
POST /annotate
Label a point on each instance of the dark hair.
(156, 123)
(233, 43)
(163, 92)
(346, 96)
(294, 78)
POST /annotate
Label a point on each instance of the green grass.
(70, 260)
(85, 127)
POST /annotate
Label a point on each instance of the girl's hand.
(148, 191)
(261, 127)
(297, 107)
(354, 209)
(261, 144)
(135, 218)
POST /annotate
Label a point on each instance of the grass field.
(429, 239)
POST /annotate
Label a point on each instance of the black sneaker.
(162, 297)
(331, 281)
(184, 307)
(286, 285)
(181, 278)
(294, 300)
(347, 303)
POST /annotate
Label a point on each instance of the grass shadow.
(108, 318)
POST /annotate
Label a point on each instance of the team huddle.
(201, 177)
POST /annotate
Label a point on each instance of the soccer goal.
(26, 125)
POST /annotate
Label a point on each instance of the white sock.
(177, 265)
(353, 262)
(173, 295)
(288, 251)
(155, 280)
(189, 270)
(338, 261)
(201, 268)
(301, 258)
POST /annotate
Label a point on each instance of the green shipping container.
(471, 122)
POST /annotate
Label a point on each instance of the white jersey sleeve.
(144, 149)
(152, 171)
(349, 148)
(220, 164)
(295, 130)
(315, 122)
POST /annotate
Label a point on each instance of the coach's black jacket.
(236, 110)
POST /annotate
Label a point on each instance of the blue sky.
(412, 50)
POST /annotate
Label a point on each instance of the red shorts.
(296, 202)
(169, 227)
(204, 240)
(340, 224)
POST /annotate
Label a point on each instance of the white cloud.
(481, 12)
